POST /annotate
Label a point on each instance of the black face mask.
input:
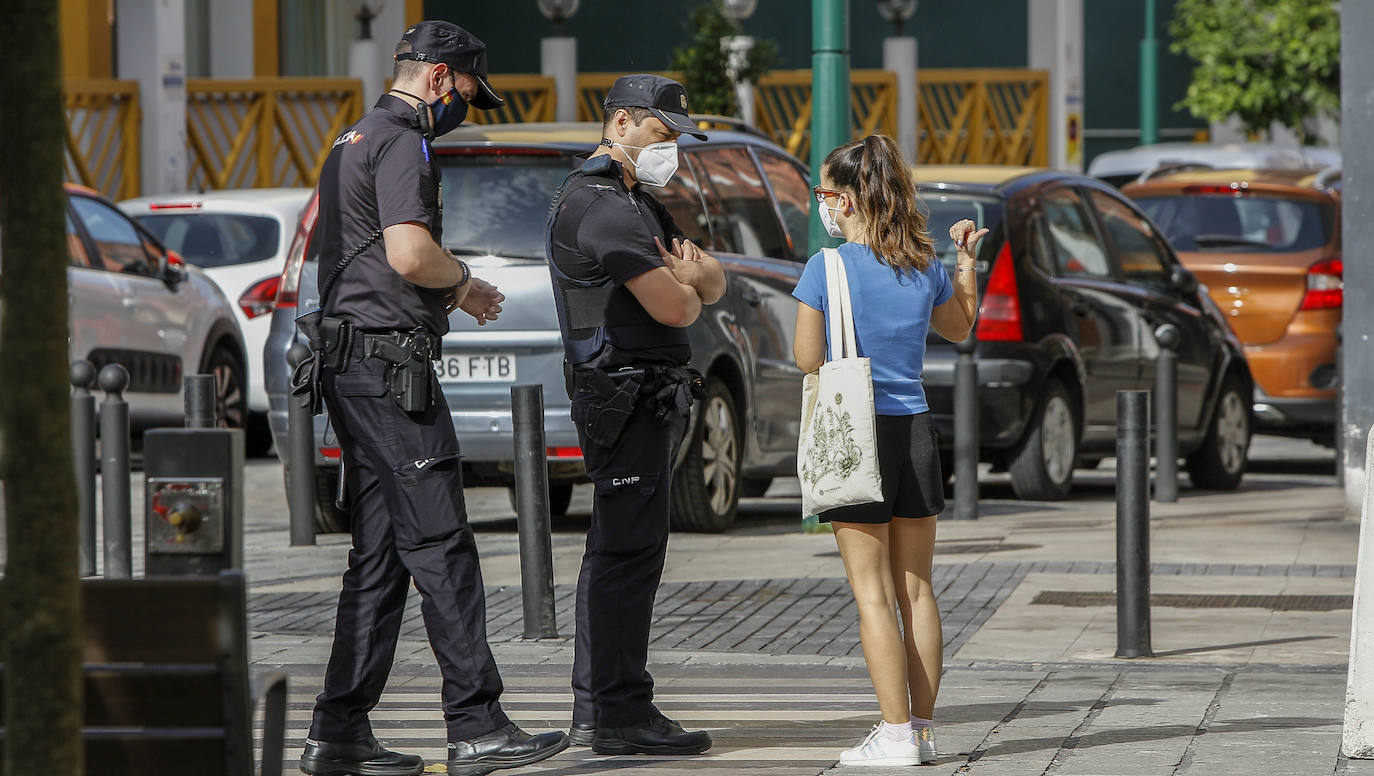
(449, 111)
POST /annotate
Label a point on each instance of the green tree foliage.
(40, 607)
(1262, 60)
(705, 65)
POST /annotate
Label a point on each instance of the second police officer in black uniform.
(626, 284)
(386, 289)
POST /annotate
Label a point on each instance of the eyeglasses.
(821, 193)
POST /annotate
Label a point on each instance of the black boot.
(581, 733)
(659, 735)
(362, 758)
(507, 747)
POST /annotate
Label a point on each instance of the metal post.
(1149, 79)
(966, 431)
(114, 473)
(1133, 524)
(83, 461)
(1166, 414)
(200, 401)
(829, 93)
(300, 458)
(899, 56)
(532, 511)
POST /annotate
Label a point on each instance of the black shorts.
(909, 461)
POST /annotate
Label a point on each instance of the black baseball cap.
(435, 41)
(665, 98)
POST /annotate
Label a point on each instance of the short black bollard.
(200, 401)
(532, 511)
(83, 461)
(1166, 414)
(114, 473)
(300, 458)
(1133, 524)
(966, 431)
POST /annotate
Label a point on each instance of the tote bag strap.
(843, 342)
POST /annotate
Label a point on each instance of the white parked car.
(133, 302)
(239, 237)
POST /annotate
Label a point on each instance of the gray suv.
(738, 195)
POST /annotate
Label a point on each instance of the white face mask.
(828, 219)
(656, 164)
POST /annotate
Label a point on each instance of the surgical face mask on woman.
(657, 163)
(828, 219)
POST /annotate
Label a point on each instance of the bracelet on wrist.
(467, 274)
(967, 269)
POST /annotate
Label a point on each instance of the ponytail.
(886, 196)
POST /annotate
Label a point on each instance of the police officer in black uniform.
(386, 289)
(626, 284)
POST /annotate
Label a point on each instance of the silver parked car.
(240, 238)
(135, 303)
(738, 195)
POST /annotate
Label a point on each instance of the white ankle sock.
(917, 723)
(897, 732)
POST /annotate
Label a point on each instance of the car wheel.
(1220, 463)
(1042, 467)
(755, 487)
(231, 389)
(706, 487)
(328, 517)
(560, 496)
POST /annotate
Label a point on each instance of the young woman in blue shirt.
(899, 291)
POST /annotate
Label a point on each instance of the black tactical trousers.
(622, 564)
(409, 521)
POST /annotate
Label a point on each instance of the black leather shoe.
(657, 736)
(363, 758)
(507, 747)
(581, 733)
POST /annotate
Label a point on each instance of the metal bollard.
(200, 401)
(532, 511)
(1133, 524)
(83, 461)
(114, 473)
(966, 431)
(1166, 414)
(300, 458)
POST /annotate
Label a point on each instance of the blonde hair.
(886, 196)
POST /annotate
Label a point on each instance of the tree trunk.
(41, 612)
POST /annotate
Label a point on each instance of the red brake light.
(1237, 188)
(331, 453)
(174, 259)
(290, 282)
(261, 297)
(999, 317)
(564, 452)
(175, 206)
(1325, 287)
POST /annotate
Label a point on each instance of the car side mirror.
(174, 269)
(1182, 280)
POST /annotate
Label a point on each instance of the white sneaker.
(925, 742)
(878, 749)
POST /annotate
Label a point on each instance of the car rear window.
(1225, 223)
(210, 240)
(947, 209)
(498, 203)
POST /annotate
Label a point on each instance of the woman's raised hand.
(965, 237)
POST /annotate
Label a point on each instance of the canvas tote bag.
(837, 450)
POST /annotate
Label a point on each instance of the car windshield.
(947, 209)
(210, 240)
(1225, 223)
(498, 203)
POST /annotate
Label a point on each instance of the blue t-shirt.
(891, 318)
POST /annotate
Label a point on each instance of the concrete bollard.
(966, 431)
(114, 473)
(83, 461)
(300, 458)
(1357, 734)
(1133, 524)
(1166, 414)
(532, 511)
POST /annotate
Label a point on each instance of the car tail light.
(999, 317)
(331, 453)
(261, 297)
(175, 206)
(290, 283)
(1237, 188)
(564, 452)
(174, 259)
(1325, 287)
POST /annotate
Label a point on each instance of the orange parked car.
(1267, 245)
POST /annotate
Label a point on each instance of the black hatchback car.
(738, 195)
(1073, 281)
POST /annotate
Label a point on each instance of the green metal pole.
(829, 93)
(1149, 79)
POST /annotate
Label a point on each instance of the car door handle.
(751, 296)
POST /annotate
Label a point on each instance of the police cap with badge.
(665, 99)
